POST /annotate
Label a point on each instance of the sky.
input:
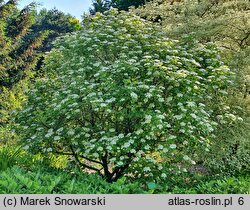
(74, 7)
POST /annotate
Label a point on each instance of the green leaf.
(151, 186)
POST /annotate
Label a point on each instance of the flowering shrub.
(121, 98)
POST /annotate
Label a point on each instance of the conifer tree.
(104, 5)
(24, 37)
(18, 56)
(56, 23)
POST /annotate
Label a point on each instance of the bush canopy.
(122, 98)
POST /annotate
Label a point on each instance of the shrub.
(231, 153)
(120, 97)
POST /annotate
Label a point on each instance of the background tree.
(99, 6)
(104, 5)
(19, 56)
(125, 4)
(225, 23)
(25, 37)
(56, 23)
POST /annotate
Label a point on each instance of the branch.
(117, 173)
(105, 167)
(63, 153)
(84, 119)
(245, 38)
(94, 161)
(209, 8)
(226, 47)
(120, 171)
(82, 164)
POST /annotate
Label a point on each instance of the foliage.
(227, 24)
(56, 23)
(11, 100)
(24, 37)
(224, 185)
(125, 4)
(99, 6)
(8, 157)
(104, 5)
(5, 135)
(231, 155)
(17, 57)
(39, 181)
(121, 97)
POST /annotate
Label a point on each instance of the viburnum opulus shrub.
(122, 98)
